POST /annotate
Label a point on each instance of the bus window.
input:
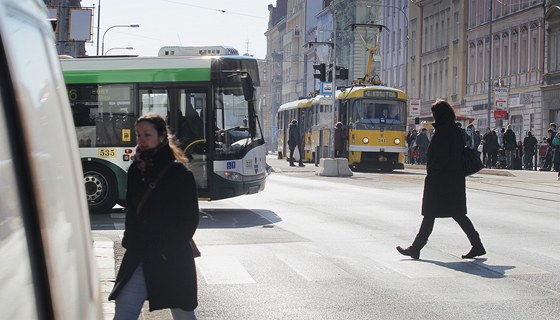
(101, 114)
(154, 101)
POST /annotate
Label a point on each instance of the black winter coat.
(444, 187)
(510, 143)
(294, 137)
(159, 236)
(490, 142)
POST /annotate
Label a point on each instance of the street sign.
(501, 98)
(414, 108)
(326, 88)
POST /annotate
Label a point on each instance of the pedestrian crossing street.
(247, 263)
(496, 277)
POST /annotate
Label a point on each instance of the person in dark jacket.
(444, 187)
(294, 141)
(158, 264)
(510, 144)
(529, 144)
(490, 147)
(339, 140)
(422, 141)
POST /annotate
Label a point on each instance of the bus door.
(184, 110)
(192, 135)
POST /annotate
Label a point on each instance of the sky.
(237, 23)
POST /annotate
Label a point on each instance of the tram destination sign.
(381, 94)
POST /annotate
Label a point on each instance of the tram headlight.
(397, 141)
(365, 140)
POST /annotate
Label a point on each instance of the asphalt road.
(312, 247)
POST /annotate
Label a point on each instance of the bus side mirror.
(248, 87)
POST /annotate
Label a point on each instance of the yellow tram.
(374, 120)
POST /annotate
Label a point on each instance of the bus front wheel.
(101, 188)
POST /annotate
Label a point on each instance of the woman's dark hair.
(163, 130)
(443, 112)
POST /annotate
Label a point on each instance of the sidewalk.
(105, 261)
(283, 166)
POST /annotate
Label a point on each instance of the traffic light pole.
(331, 144)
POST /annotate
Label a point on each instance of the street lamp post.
(98, 23)
(121, 48)
(115, 26)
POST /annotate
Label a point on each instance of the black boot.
(410, 252)
(414, 250)
(477, 247)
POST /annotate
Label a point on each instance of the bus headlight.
(397, 141)
(230, 175)
(365, 140)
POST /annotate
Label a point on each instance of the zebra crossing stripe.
(223, 270)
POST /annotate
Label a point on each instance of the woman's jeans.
(130, 300)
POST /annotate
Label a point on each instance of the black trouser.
(427, 227)
(338, 153)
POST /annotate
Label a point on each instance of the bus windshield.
(232, 124)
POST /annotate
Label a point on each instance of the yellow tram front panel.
(377, 148)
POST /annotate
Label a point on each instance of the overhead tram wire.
(213, 9)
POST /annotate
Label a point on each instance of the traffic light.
(322, 72)
(342, 73)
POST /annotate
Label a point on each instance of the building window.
(534, 53)
(514, 58)
(496, 59)
(455, 81)
(505, 60)
(456, 26)
(555, 51)
(517, 126)
(524, 49)
(480, 63)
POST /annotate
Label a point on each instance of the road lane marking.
(314, 267)
(223, 270)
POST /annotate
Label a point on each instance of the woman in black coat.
(444, 187)
(158, 264)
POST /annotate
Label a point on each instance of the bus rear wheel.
(101, 188)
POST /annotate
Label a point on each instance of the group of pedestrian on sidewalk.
(418, 143)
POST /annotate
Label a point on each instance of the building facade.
(551, 82)
(505, 42)
(395, 43)
(437, 56)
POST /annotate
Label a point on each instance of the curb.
(103, 249)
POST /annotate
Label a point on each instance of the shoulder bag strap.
(151, 186)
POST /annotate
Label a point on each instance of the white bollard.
(343, 168)
(327, 167)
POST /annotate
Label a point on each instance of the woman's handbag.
(471, 161)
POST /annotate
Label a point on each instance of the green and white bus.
(209, 102)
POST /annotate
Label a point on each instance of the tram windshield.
(370, 112)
